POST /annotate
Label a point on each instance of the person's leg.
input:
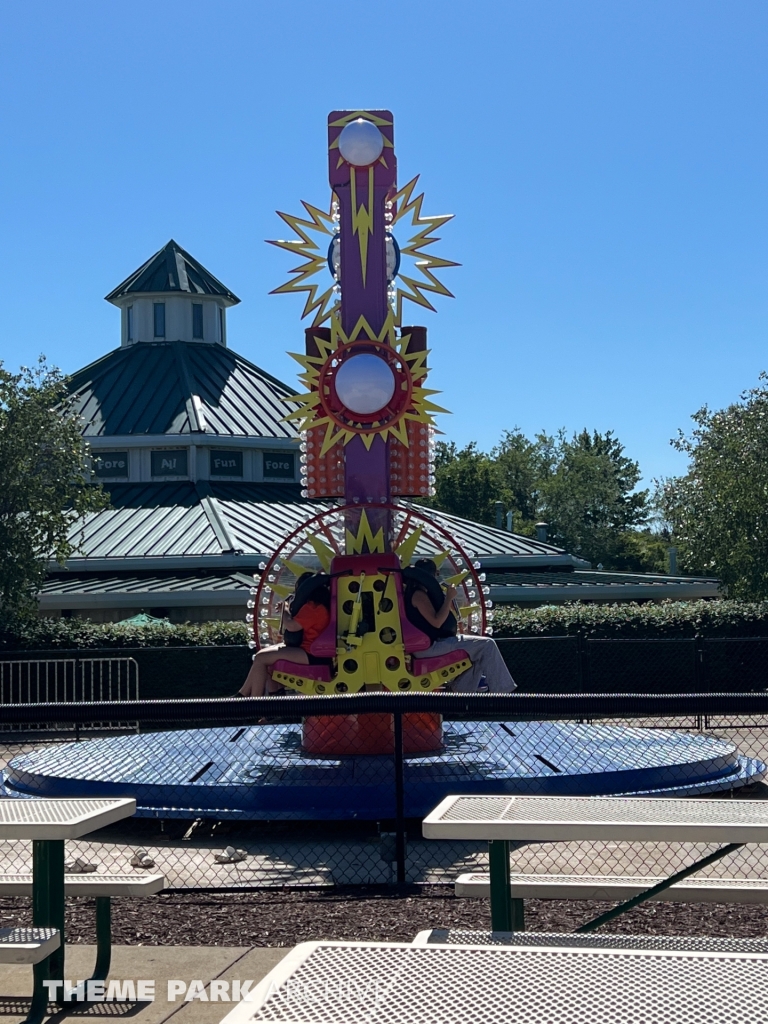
(445, 645)
(486, 661)
(257, 680)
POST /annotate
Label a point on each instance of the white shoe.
(141, 859)
(78, 867)
(231, 856)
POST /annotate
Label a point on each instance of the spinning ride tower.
(367, 426)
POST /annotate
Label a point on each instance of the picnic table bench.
(505, 819)
(48, 823)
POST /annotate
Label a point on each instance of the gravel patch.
(285, 917)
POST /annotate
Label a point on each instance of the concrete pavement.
(159, 964)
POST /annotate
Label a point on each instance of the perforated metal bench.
(92, 884)
(619, 887)
(102, 887)
(27, 945)
(675, 943)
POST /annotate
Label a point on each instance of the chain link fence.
(324, 791)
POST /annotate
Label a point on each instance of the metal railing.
(55, 681)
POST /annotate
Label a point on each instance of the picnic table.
(48, 823)
(505, 819)
(393, 983)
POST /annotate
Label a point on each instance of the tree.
(43, 482)
(588, 496)
(466, 482)
(718, 510)
(585, 487)
(520, 466)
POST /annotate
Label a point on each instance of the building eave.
(559, 594)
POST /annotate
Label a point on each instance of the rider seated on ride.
(301, 624)
(434, 612)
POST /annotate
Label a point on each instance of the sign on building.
(169, 462)
(110, 463)
(225, 463)
(280, 465)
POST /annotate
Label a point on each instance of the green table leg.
(48, 902)
(39, 1007)
(103, 938)
(507, 915)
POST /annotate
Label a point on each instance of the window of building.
(221, 323)
(129, 322)
(169, 462)
(226, 463)
(159, 309)
(197, 319)
(279, 465)
(110, 464)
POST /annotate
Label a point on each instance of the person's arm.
(423, 605)
(288, 624)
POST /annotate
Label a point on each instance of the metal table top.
(59, 819)
(391, 983)
(541, 818)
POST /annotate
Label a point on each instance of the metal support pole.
(40, 919)
(648, 894)
(103, 938)
(48, 907)
(400, 833)
(507, 915)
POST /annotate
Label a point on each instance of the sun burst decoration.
(315, 247)
(321, 406)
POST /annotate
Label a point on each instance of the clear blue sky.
(606, 162)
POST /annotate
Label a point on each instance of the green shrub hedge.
(79, 634)
(652, 621)
(669, 619)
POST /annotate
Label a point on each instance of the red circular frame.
(361, 423)
(336, 510)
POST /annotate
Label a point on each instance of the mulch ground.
(285, 917)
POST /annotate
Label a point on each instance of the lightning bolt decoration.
(316, 234)
(365, 538)
(362, 218)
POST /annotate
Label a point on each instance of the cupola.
(172, 297)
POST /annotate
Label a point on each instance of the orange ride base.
(371, 734)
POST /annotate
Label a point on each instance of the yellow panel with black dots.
(370, 648)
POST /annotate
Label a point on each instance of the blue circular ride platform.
(261, 772)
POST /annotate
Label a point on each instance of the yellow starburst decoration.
(315, 235)
(425, 262)
(315, 260)
(313, 408)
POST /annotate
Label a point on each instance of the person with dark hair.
(435, 613)
(301, 624)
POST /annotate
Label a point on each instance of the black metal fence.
(275, 791)
(580, 664)
(558, 664)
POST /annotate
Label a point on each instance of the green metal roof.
(172, 269)
(225, 525)
(177, 387)
(579, 585)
